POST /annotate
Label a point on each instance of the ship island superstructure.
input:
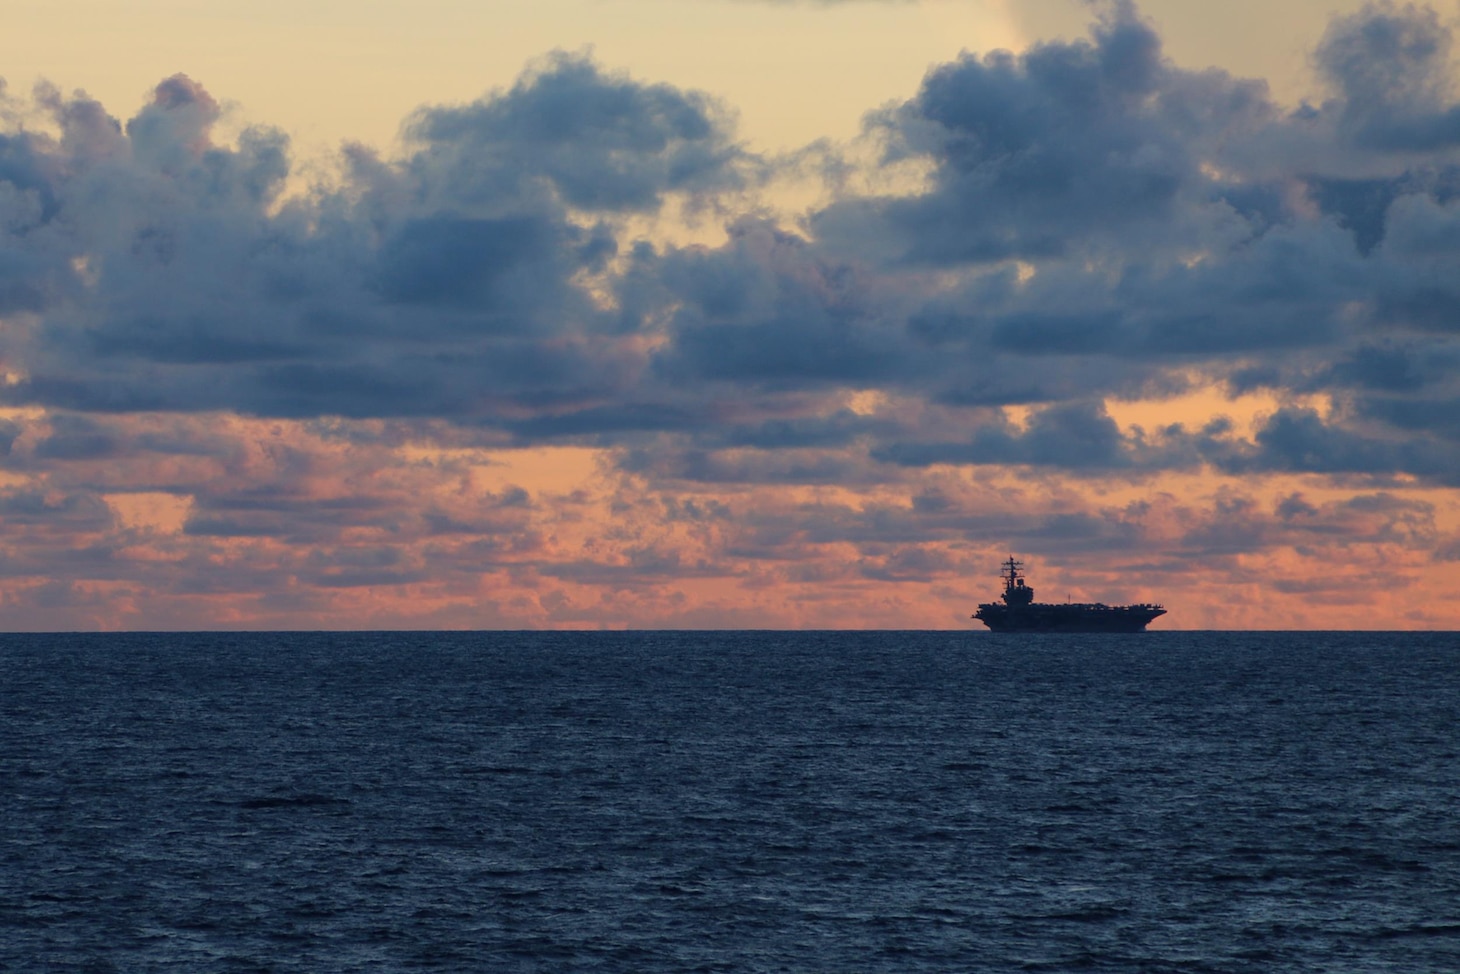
(1017, 611)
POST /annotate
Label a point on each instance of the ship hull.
(1050, 617)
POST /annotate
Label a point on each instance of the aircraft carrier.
(1017, 611)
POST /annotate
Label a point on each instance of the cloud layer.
(223, 389)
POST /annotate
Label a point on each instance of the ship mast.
(1015, 591)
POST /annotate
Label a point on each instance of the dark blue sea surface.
(730, 802)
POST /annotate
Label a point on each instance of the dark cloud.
(1362, 205)
(767, 310)
(466, 263)
(597, 141)
(47, 509)
(675, 461)
(1391, 66)
(1036, 155)
(1393, 367)
(1437, 416)
(429, 286)
(1074, 435)
(1096, 222)
(1295, 439)
(77, 438)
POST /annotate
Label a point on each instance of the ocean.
(730, 801)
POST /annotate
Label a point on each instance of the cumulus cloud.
(166, 275)
(1041, 154)
(485, 277)
(1391, 66)
(597, 141)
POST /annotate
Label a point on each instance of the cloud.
(295, 375)
(1038, 155)
(1071, 435)
(596, 141)
(1296, 439)
(1166, 219)
(1391, 66)
(168, 276)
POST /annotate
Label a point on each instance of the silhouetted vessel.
(1018, 612)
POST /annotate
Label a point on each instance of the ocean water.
(730, 802)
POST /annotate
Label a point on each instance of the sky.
(727, 313)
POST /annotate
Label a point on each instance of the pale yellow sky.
(331, 70)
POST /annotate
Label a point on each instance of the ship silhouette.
(1018, 612)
